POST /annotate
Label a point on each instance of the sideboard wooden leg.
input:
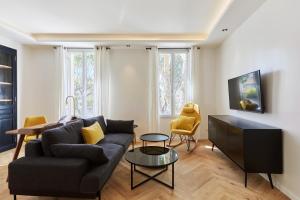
(270, 179)
(245, 179)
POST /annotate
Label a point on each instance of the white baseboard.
(280, 187)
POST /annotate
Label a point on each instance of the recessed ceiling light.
(225, 29)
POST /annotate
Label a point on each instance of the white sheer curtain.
(103, 76)
(63, 74)
(193, 76)
(194, 79)
(153, 103)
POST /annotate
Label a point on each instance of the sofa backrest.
(67, 134)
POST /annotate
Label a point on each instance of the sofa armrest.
(40, 175)
(34, 148)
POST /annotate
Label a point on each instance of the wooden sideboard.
(254, 147)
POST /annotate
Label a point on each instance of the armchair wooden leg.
(183, 139)
(171, 139)
(188, 143)
(134, 137)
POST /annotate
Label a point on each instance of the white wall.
(16, 45)
(269, 41)
(39, 83)
(129, 81)
(129, 86)
(207, 87)
(38, 93)
(129, 89)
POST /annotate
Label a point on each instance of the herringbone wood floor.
(201, 175)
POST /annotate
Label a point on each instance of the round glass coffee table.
(154, 137)
(151, 157)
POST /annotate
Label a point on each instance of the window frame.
(83, 52)
(173, 51)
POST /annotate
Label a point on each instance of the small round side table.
(154, 137)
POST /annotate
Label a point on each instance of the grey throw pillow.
(67, 134)
(119, 126)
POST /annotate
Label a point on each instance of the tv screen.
(245, 92)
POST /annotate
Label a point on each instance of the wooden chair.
(186, 136)
(32, 121)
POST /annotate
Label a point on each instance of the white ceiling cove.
(113, 20)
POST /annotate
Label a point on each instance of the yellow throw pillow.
(188, 109)
(92, 134)
(185, 123)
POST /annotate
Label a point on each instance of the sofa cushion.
(92, 134)
(95, 179)
(68, 134)
(92, 120)
(33, 148)
(46, 175)
(119, 126)
(93, 153)
(118, 138)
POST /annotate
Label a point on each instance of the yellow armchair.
(186, 125)
(32, 121)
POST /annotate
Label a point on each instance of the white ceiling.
(111, 16)
(105, 20)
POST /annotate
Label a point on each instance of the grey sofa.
(40, 173)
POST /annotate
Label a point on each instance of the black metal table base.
(151, 177)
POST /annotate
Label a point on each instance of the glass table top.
(154, 137)
(151, 156)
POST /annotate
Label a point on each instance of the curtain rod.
(106, 47)
(97, 47)
(90, 48)
(79, 48)
(175, 48)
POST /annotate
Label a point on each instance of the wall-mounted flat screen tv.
(245, 92)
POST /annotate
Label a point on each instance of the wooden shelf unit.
(8, 99)
(5, 67)
(5, 83)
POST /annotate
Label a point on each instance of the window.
(82, 80)
(172, 81)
